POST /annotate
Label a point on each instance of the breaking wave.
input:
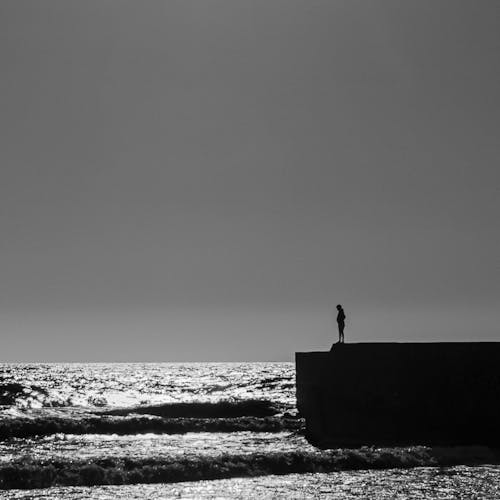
(31, 427)
(32, 474)
(221, 409)
(172, 418)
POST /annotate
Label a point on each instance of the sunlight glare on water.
(395, 484)
(191, 444)
(96, 448)
(128, 384)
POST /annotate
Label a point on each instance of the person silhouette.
(341, 323)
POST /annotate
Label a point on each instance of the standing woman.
(341, 323)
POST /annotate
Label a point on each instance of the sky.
(204, 180)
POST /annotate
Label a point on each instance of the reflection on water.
(53, 432)
(128, 384)
(395, 484)
(160, 446)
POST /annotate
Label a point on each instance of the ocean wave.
(110, 470)
(21, 427)
(220, 409)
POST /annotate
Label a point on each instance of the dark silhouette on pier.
(341, 323)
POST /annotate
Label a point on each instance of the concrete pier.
(401, 394)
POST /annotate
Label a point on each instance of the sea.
(199, 430)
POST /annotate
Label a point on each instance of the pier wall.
(401, 394)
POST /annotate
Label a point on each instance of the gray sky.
(206, 180)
